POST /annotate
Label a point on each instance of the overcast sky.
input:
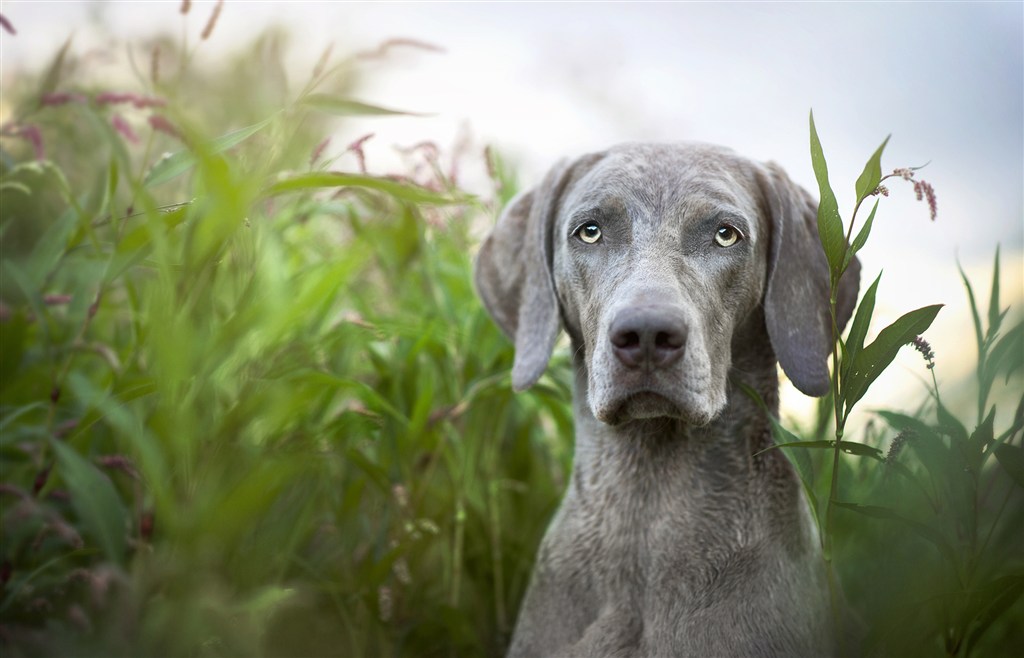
(545, 80)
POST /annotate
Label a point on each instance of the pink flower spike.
(140, 102)
(32, 134)
(318, 151)
(357, 148)
(62, 98)
(7, 25)
(56, 300)
(121, 126)
(161, 124)
(210, 24)
(110, 97)
(143, 102)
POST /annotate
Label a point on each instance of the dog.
(678, 271)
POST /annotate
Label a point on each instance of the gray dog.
(677, 271)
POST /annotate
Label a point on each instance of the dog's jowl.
(678, 272)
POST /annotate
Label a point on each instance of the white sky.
(546, 80)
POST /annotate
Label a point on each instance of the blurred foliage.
(250, 405)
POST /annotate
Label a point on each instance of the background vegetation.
(250, 405)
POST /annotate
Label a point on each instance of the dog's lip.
(641, 404)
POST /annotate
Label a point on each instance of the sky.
(542, 81)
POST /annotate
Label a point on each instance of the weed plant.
(250, 404)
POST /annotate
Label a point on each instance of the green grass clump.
(251, 406)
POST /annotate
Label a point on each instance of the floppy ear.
(796, 299)
(513, 276)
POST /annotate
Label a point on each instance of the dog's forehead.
(670, 178)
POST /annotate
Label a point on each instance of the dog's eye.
(727, 236)
(589, 232)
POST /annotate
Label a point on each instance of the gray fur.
(672, 539)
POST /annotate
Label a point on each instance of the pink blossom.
(140, 102)
(33, 134)
(7, 25)
(56, 300)
(357, 148)
(121, 126)
(62, 98)
(161, 124)
(318, 151)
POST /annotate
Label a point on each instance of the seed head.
(922, 346)
(7, 25)
(140, 102)
(924, 190)
(897, 446)
(61, 98)
(210, 24)
(121, 126)
(160, 123)
(318, 151)
(357, 148)
(384, 602)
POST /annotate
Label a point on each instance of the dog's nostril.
(626, 339)
(668, 340)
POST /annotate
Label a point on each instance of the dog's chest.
(643, 537)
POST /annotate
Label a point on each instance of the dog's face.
(652, 256)
(658, 255)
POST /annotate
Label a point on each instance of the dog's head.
(651, 256)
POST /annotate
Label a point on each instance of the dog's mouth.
(640, 405)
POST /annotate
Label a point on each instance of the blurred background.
(550, 80)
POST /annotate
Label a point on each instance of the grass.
(250, 404)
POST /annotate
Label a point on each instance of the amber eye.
(726, 236)
(589, 233)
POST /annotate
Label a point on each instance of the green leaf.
(984, 433)
(15, 186)
(49, 249)
(872, 174)
(861, 238)
(858, 332)
(94, 499)
(920, 529)
(402, 191)
(999, 597)
(52, 77)
(1011, 458)
(849, 447)
(994, 317)
(172, 166)
(877, 356)
(373, 471)
(830, 225)
(974, 308)
(347, 107)
(950, 425)
(1007, 354)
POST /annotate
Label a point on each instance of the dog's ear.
(797, 293)
(513, 274)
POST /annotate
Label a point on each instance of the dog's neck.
(648, 465)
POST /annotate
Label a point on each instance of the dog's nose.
(648, 336)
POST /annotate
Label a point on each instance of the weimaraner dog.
(677, 270)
